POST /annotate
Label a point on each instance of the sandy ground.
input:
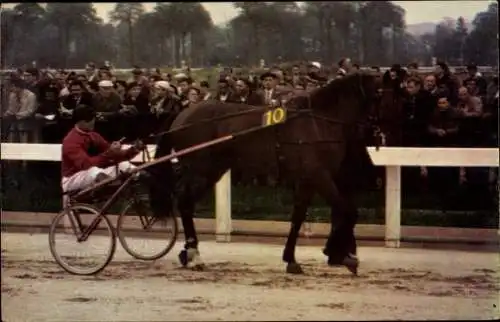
(245, 281)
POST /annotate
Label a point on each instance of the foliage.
(454, 43)
(371, 32)
(35, 188)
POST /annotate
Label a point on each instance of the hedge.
(39, 192)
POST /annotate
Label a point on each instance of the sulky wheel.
(143, 236)
(81, 257)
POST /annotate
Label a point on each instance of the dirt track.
(246, 282)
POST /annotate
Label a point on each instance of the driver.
(88, 158)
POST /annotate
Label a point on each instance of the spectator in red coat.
(87, 157)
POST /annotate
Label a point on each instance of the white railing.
(391, 157)
(422, 69)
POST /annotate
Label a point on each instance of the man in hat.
(21, 106)
(475, 75)
(87, 157)
(314, 67)
(269, 94)
(345, 67)
(224, 91)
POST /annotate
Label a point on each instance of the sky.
(416, 11)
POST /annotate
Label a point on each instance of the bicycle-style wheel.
(86, 257)
(142, 235)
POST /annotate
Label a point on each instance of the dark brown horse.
(319, 149)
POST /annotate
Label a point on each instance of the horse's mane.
(348, 86)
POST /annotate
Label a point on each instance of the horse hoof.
(294, 268)
(352, 264)
(183, 257)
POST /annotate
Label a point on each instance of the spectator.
(431, 87)
(479, 81)
(205, 90)
(31, 77)
(164, 105)
(183, 84)
(468, 104)
(53, 127)
(443, 127)
(443, 131)
(244, 95)
(223, 91)
(269, 94)
(137, 76)
(445, 80)
(78, 95)
(21, 108)
(470, 108)
(91, 72)
(193, 95)
(135, 118)
(417, 108)
(121, 88)
(344, 67)
(472, 87)
(107, 104)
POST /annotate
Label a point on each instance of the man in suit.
(269, 94)
(345, 67)
(224, 91)
(244, 95)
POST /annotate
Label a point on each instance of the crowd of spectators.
(437, 109)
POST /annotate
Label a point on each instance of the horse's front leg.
(302, 199)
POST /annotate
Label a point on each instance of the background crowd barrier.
(392, 158)
(422, 69)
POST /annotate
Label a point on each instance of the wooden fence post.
(393, 206)
(223, 208)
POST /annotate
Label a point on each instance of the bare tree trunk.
(177, 46)
(327, 54)
(131, 42)
(65, 44)
(256, 42)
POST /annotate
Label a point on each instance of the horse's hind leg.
(190, 191)
(190, 254)
(341, 244)
(302, 199)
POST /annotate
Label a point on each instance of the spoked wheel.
(85, 257)
(143, 236)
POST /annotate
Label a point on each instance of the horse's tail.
(162, 183)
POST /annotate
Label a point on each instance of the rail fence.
(422, 69)
(392, 158)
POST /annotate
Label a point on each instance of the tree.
(379, 48)
(187, 24)
(128, 13)
(459, 39)
(343, 14)
(70, 20)
(252, 18)
(481, 46)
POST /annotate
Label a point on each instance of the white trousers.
(86, 178)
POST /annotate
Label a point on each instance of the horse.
(318, 149)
